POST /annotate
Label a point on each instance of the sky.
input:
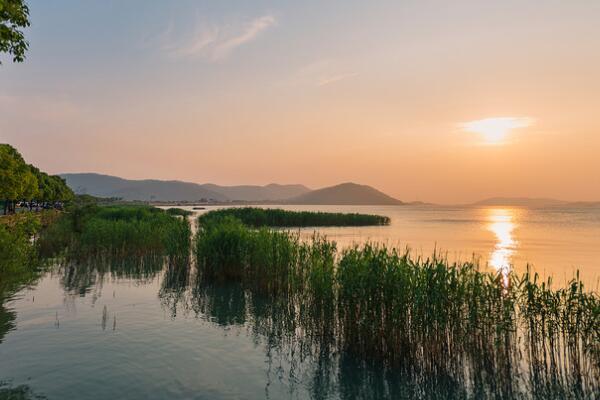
(440, 101)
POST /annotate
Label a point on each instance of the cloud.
(495, 130)
(320, 73)
(336, 78)
(215, 42)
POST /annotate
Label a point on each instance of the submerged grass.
(260, 217)
(427, 317)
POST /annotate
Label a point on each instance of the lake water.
(152, 333)
(555, 242)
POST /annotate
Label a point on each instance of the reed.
(179, 211)
(117, 232)
(427, 317)
(260, 217)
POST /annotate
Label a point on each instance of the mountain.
(269, 192)
(534, 202)
(521, 202)
(345, 194)
(156, 190)
(146, 190)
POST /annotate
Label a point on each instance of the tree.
(14, 15)
(22, 181)
(9, 180)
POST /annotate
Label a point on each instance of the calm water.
(553, 241)
(153, 333)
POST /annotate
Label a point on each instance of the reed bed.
(117, 232)
(179, 211)
(260, 217)
(425, 317)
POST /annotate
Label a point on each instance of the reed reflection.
(304, 346)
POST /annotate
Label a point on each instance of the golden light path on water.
(501, 222)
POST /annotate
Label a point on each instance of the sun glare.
(502, 224)
(495, 130)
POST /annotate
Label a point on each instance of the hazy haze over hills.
(272, 191)
(342, 194)
(150, 189)
(156, 190)
(146, 190)
(532, 202)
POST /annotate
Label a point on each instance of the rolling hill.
(145, 190)
(157, 190)
(271, 192)
(533, 202)
(520, 202)
(345, 194)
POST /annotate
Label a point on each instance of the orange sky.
(316, 94)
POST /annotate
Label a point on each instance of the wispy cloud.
(321, 73)
(496, 129)
(336, 78)
(215, 42)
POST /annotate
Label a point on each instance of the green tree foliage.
(21, 181)
(14, 15)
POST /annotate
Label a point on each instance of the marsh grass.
(429, 318)
(272, 217)
(179, 211)
(117, 232)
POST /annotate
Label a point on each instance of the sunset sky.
(441, 101)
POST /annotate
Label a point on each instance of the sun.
(495, 130)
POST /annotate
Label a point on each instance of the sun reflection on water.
(501, 222)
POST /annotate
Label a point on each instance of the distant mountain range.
(342, 194)
(533, 202)
(157, 190)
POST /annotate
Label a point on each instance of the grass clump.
(117, 231)
(260, 217)
(272, 262)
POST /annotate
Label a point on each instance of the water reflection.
(501, 221)
(20, 392)
(304, 348)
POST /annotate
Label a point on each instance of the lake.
(553, 241)
(100, 332)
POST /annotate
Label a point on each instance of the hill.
(520, 202)
(534, 202)
(146, 190)
(345, 194)
(269, 192)
(157, 190)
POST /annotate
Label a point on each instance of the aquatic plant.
(117, 231)
(271, 217)
(428, 318)
(179, 211)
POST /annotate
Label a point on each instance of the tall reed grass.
(117, 232)
(426, 317)
(271, 217)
